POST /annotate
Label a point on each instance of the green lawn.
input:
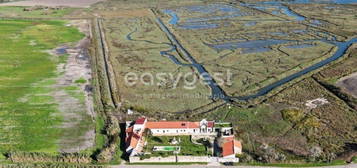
(354, 159)
(187, 147)
(29, 116)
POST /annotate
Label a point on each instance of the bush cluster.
(35, 157)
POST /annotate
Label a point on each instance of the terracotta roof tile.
(134, 140)
(210, 124)
(226, 139)
(129, 130)
(140, 120)
(228, 148)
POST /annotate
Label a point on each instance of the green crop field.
(29, 114)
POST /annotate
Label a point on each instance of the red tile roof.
(210, 124)
(129, 130)
(228, 148)
(172, 124)
(134, 140)
(226, 139)
(140, 120)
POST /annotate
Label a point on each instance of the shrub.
(157, 139)
(80, 81)
(292, 115)
(48, 165)
(112, 131)
(34, 157)
(142, 157)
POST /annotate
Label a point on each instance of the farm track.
(334, 92)
(104, 53)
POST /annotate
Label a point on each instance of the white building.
(136, 132)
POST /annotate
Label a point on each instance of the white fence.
(172, 159)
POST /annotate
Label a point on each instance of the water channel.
(217, 91)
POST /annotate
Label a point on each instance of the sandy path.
(68, 3)
(349, 84)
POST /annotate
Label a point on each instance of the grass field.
(331, 77)
(340, 19)
(29, 112)
(287, 123)
(141, 56)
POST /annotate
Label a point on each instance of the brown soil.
(122, 13)
(349, 84)
(80, 136)
(69, 3)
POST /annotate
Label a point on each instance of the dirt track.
(206, 166)
(349, 84)
(68, 3)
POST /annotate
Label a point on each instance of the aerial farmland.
(74, 73)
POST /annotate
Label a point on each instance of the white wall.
(171, 159)
(230, 156)
(188, 131)
(136, 159)
(193, 159)
(138, 127)
(237, 150)
(174, 131)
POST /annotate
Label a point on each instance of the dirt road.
(68, 3)
(204, 166)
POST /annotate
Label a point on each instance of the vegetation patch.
(188, 148)
(34, 12)
(29, 114)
